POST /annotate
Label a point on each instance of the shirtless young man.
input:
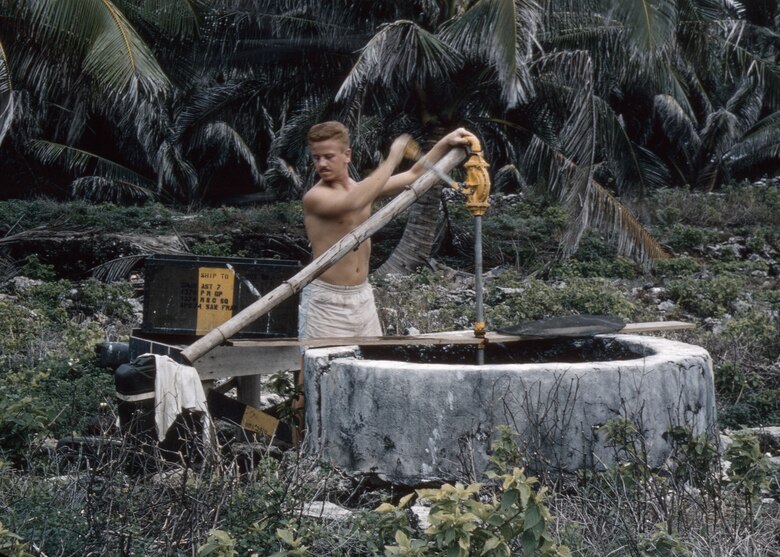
(341, 302)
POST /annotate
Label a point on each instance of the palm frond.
(746, 103)
(7, 104)
(566, 167)
(283, 179)
(759, 145)
(598, 209)
(78, 161)
(603, 212)
(6, 86)
(650, 24)
(175, 174)
(210, 101)
(634, 168)
(751, 63)
(573, 72)
(7, 113)
(676, 125)
(290, 142)
(696, 102)
(701, 10)
(500, 32)
(399, 55)
(720, 132)
(508, 178)
(113, 52)
(219, 142)
(102, 189)
(709, 175)
(116, 269)
(175, 18)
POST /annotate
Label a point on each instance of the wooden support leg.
(299, 407)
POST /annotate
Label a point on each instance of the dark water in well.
(563, 350)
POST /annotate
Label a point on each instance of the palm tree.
(128, 106)
(64, 62)
(599, 67)
(440, 71)
(662, 66)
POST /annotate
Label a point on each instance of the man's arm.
(335, 202)
(398, 182)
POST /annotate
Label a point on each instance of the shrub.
(688, 238)
(213, 248)
(750, 340)
(596, 296)
(523, 235)
(736, 205)
(80, 214)
(60, 300)
(750, 469)
(110, 299)
(11, 545)
(21, 330)
(618, 267)
(706, 297)
(534, 299)
(34, 269)
(753, 409)
(731, 380)
(677, 266)
(496, 519)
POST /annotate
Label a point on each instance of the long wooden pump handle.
(350, 241)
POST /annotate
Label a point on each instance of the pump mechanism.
(476, 186)
(476, 189)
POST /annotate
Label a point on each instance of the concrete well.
(408, 421)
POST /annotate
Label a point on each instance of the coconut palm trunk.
(419, 239)
(421, 235)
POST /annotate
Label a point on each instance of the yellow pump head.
(477, 184)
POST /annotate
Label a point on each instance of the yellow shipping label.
(215, 298)
(259, 422)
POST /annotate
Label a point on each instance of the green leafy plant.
(282, 383)
(12, 545)
(495, 519)
(749, 470)
(677, 266)
(295, 545)
(661, 543)
(213, 248)
(218, 544)
(706, 297)
(465, 522)
(35, 269)
(696, 458)
(688, 238)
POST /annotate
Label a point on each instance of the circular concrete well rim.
(413, 423)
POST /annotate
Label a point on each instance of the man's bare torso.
(324, 232)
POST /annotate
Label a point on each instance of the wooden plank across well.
(448, 337)
(240, 358)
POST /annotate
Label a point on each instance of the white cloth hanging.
(177, 387)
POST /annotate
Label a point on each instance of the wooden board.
(223, 361)
(448, 337)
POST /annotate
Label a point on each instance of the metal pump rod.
(476, 188)
(478, 283)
